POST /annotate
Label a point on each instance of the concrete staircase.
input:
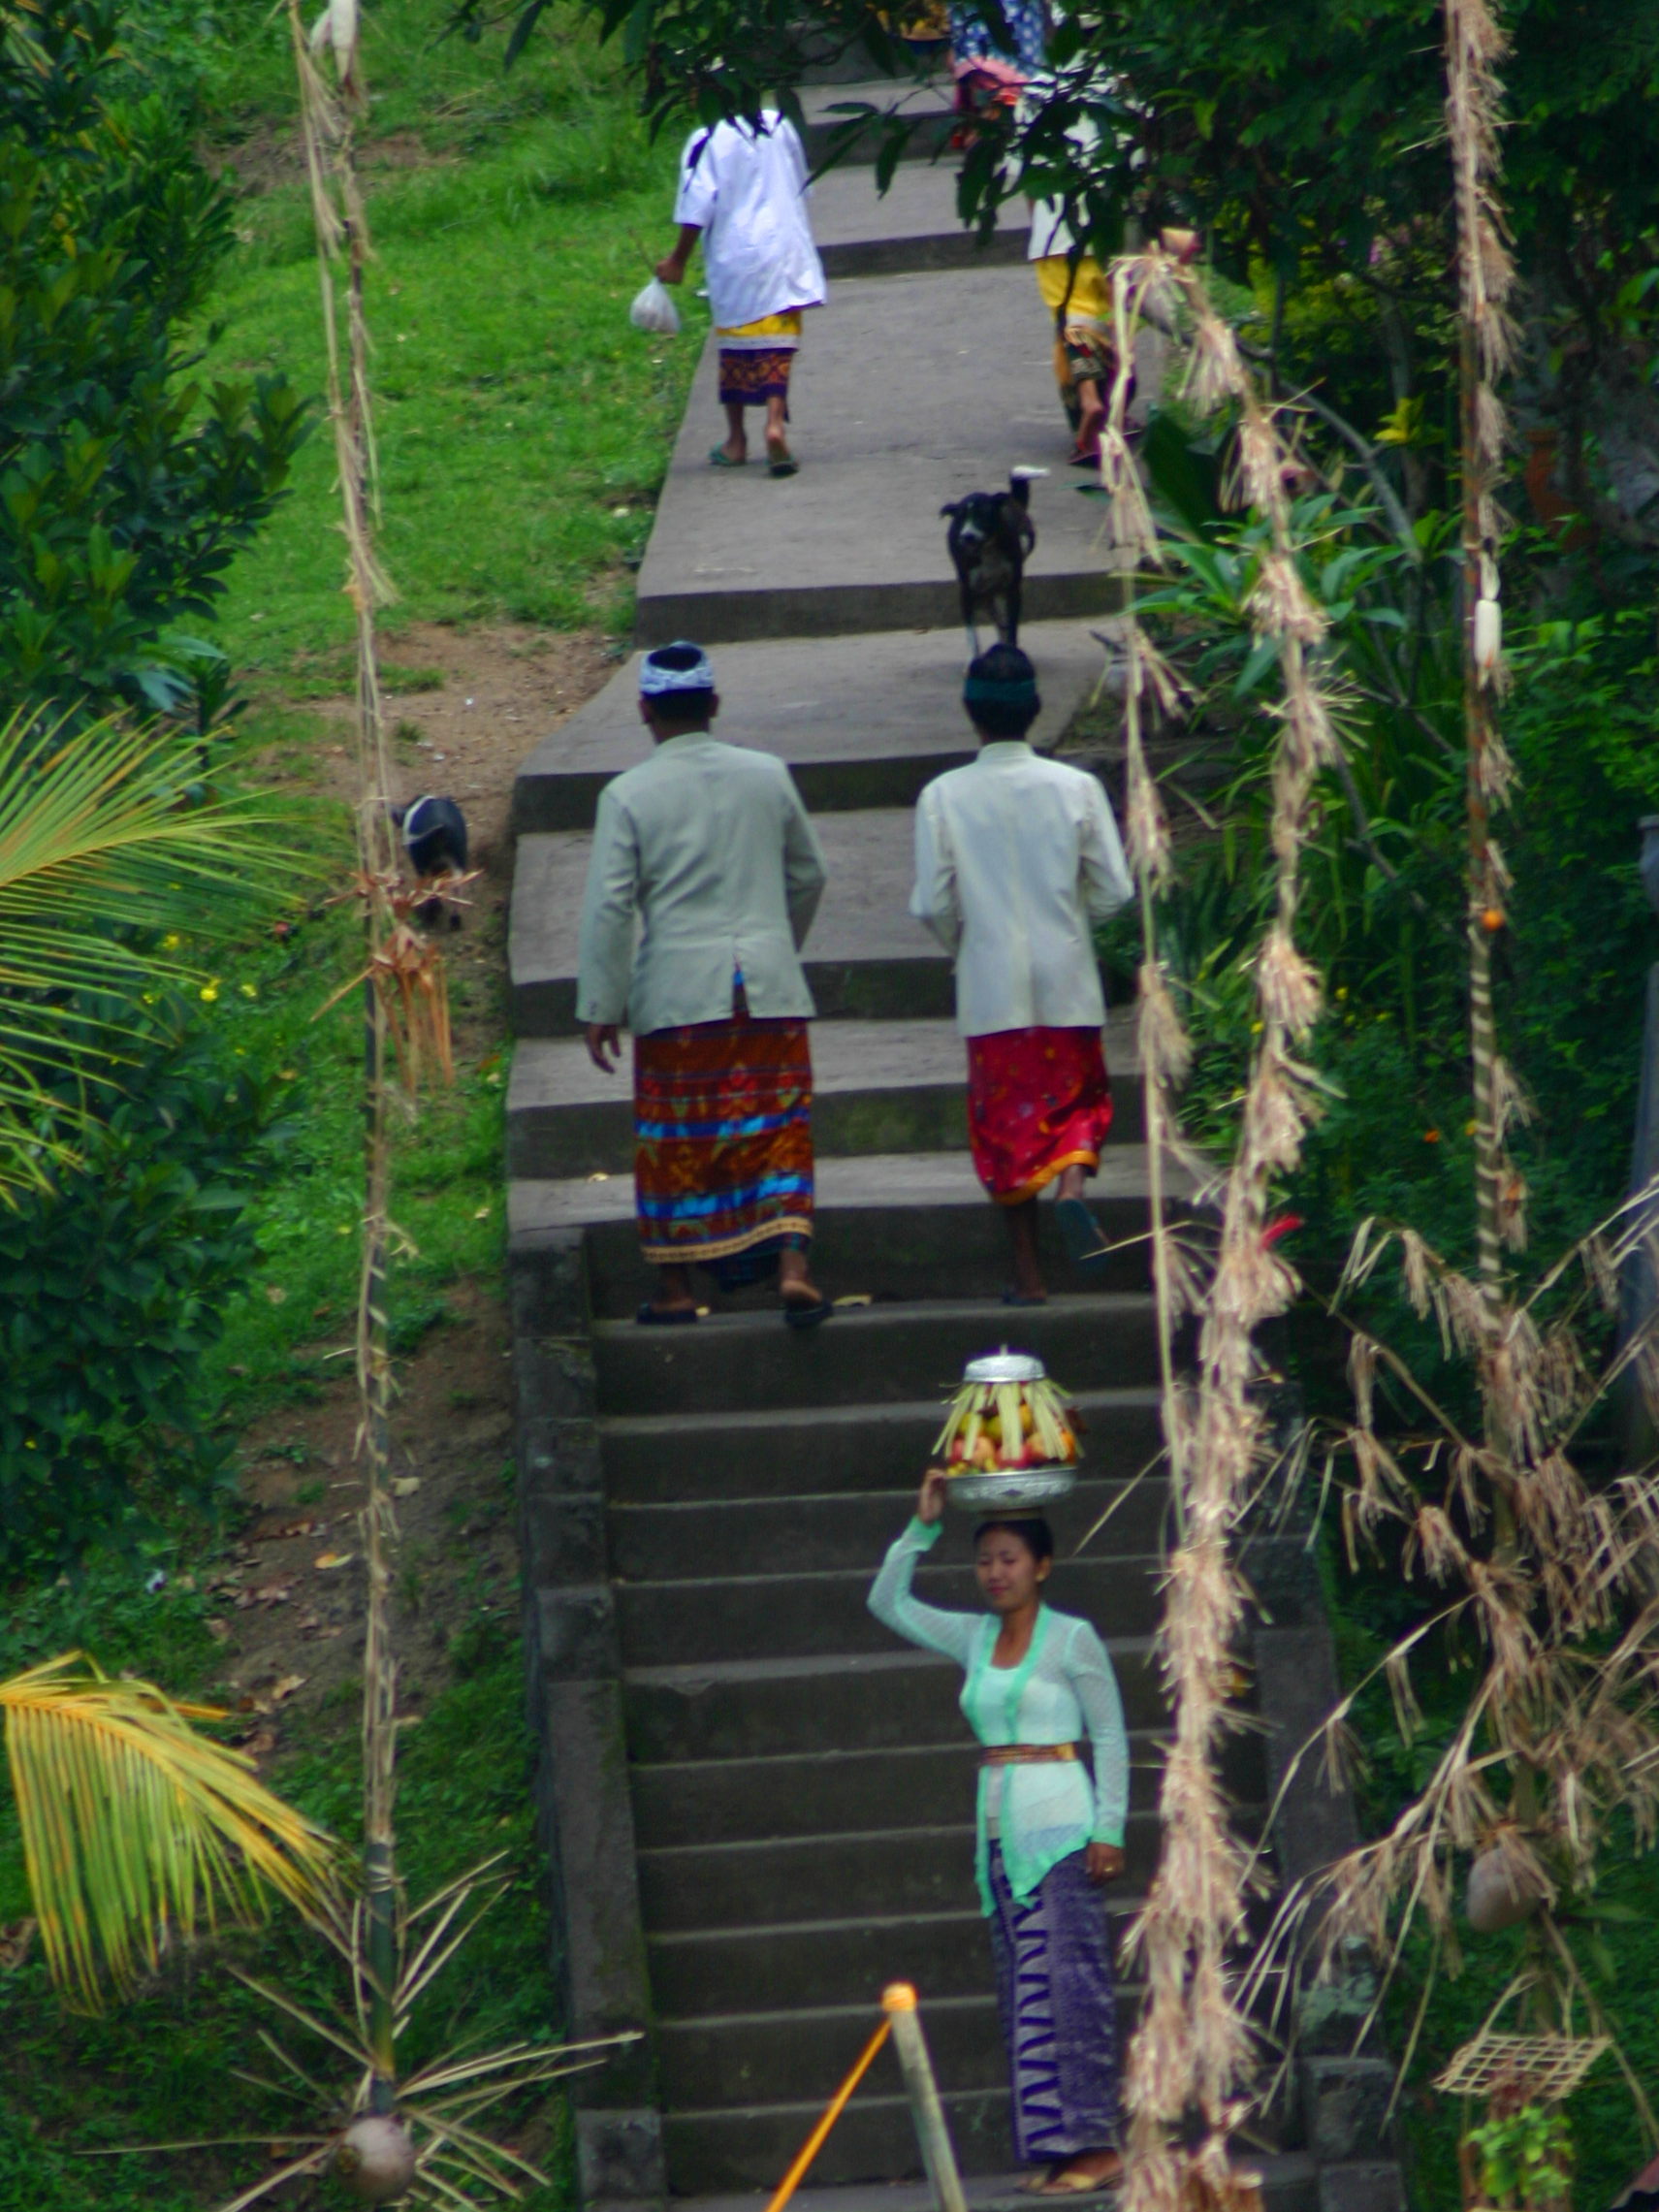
(757, 1808)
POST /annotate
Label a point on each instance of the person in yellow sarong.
(743, 191)
(1077, 293)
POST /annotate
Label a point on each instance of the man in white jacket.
(1017, 858)
(743, 191)
(702, 884)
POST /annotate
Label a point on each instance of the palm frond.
(105, 866)
(135, 1825)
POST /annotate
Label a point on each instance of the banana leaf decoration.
(1054, 1427)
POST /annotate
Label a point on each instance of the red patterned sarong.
(750, 378)
(723, 1139)
(1038, 1101)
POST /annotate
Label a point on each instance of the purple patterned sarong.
(1058, 2012)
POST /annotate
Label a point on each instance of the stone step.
(796, 1615)
(911, 229)
(816, 1794)
(890, 1871)
(863, 722)
(845, 1703)
(889, 1226)
(755, 1536)
(738, 2059)
(831, 1962)
(865, 957)
(871, 1355)
(870, 2137)
(855, 541)
(925, 106)
(880, 1087)
(672, 1461)
(874, 2140)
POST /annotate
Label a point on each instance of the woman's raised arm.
(931, 1627)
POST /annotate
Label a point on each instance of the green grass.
(523, 424)
(447, 1162)
(524, 428)
(160, 2067)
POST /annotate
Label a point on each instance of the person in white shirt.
(702, 884)
(1017, 858)
(743, 191)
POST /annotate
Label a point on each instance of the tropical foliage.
(126, 1146)
(110, 850)
(138, 1831)
(125, 489)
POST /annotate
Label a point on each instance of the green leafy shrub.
(1523, 2156)
(125, 490)
(113, 1287)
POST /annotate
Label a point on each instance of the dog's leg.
(1015, 584)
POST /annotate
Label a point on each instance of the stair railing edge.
(1343, 2095)
(574, 1695)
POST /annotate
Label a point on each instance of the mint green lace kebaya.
(1062, 1691)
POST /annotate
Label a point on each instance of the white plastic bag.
(654, 310)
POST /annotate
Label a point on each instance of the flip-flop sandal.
(784, 467)
(1079, 2186)
(804, 1317)
(650, 1316)
(1081, 1234)
(1012, 1297)
(719, 458)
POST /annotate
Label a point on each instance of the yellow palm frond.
(104, 866)
(136, 1827)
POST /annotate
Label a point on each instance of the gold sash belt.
(1025, 1755)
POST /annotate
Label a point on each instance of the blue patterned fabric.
(1058, 2004)
(970, 37)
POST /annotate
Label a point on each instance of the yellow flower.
(209, 992)
(28, 1443)
(172, 941)
(248, 990)
(1469, 1127)
(149, 998)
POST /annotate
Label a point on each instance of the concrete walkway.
(757, 1808)
(889, 422)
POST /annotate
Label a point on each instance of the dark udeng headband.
(1001, 691)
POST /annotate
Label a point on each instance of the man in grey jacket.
(703, 883)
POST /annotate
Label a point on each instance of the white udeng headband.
(654, 679)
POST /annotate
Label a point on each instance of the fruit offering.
(1006, 1414)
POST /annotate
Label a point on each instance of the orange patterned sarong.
(723, 1139)
(1038, 1101)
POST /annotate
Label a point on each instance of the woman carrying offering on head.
(1036, 1682)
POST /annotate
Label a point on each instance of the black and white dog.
(989, 541)
(434, 839)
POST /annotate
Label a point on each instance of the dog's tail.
(1020, 483)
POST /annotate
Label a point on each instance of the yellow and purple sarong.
(723, 1143)
(755, 359)
(1079, 295)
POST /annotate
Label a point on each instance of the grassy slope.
(521, 420)
(523, 432)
